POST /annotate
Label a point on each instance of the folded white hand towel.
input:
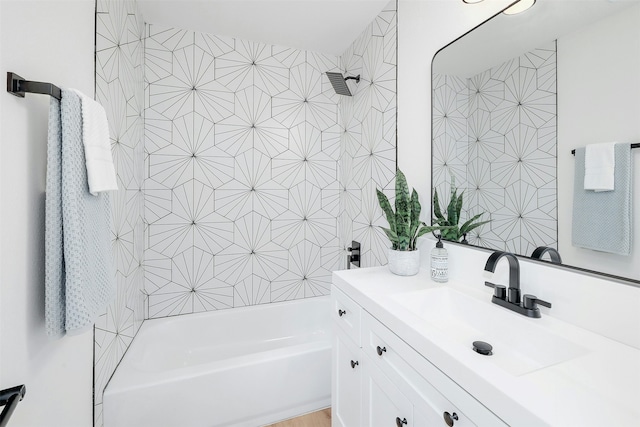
(101, 173)
(599, 167)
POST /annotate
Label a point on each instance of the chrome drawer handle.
(399, 421)
(381, 350)
(341, 312)
(450, 418)
(354, 364)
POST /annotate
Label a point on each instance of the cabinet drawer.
(346, 314)
(427, 386)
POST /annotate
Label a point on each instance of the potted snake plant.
(404, 228)
(450, 229)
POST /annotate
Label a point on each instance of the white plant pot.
(404, 263)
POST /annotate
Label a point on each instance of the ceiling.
(325, 26)
(508, 36)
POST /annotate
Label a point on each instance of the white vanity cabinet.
(379, 380)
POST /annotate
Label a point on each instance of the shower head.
(339, 83)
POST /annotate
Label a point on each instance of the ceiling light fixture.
(471, 1)
(519, 7)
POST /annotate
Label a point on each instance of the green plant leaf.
(436, 205)
(459, 207)
(403, 237)
(386, 208)
(441, 222)
(403, 219)
(476, 225)
(393, 237)
(451, 233)
(452, 186)
(452, 217)
(424, 230)
(415, 216)
(464, 227)
(414, 241)
(448, 225)
(431, 228)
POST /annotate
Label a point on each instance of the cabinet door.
(410, 373)
(383, 404)
(346, 396)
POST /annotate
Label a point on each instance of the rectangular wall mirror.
(512, 98)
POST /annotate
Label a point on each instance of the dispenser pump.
(439, 263)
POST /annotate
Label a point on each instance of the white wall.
(46, 41)
(612, 113)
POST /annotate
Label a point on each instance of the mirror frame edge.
(592, 273)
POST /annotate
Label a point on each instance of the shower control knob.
(400, 422)
(341, 312)
(450, 418)
(381, 350)
(354, 363)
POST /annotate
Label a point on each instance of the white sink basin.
(519, 344)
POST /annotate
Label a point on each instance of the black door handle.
(399, 421)
(381, 350)
(354, 364)
(341, 312)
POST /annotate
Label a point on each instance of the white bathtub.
(241, 367)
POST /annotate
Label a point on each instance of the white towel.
(101, 173)
(599, 167)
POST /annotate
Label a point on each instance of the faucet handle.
(499, 291)
(530, 302)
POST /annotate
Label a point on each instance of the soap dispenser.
(439, 263)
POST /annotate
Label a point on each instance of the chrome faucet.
(553, 254)
(510, 298)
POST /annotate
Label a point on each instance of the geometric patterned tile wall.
(120, 89)
(243, 175)
(241, 189)
(496, 134)
(368, 137)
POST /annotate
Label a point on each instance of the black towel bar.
(636, 145)
(9, 398)
(18, 86)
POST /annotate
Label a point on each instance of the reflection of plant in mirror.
(450, 229)
(404, 224)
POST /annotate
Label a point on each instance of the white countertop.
(601, 387)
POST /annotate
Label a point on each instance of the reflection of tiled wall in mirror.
(496, 134)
